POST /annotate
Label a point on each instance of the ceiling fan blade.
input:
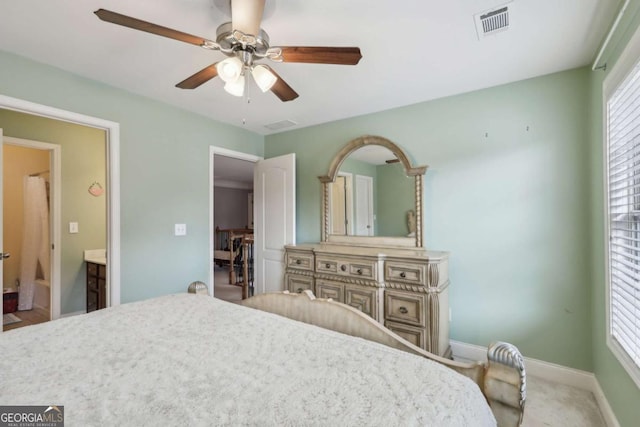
(199, 78)
(321, 55)
(246, 15)
(137, 24)
(281, 89)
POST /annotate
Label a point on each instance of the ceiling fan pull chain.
(247, 96)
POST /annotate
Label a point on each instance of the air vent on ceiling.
(280, 125)
(492, 22)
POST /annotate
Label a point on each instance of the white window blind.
(623, 169)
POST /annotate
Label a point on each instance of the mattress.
(195, 360)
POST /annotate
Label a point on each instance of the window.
(622, 115)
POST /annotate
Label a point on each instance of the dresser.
(405, 289)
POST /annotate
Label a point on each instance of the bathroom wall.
(83, 162)
(18, 162)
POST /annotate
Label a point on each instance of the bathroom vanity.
(96, 279)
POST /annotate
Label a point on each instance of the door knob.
(4, 255)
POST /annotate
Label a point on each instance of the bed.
(195, 360)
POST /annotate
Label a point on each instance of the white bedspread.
(194, 360)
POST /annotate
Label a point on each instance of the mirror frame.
(416, 171)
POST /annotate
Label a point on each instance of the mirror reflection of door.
(364, 206)
(341, 205)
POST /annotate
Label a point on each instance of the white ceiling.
(413, 50)
(232, 173)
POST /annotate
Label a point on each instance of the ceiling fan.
(243, 42)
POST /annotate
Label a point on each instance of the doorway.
(31, 204)
(112, 195)
(232, 224)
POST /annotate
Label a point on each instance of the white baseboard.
(603, 404)
(75, 313)
(550, 372)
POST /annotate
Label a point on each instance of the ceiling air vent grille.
(280, 125)
(494, 21)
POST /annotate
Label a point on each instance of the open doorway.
(31, 208)
(109, 132)
(232, 224)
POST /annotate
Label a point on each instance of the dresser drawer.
(405, 307)
(362, 298)
(360, 269)
(298, 284)
(345, 267)
(405, 272)
(327, 289)
(300, 260)
(326, 265)
(413, 334)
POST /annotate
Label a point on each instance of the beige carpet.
(222, 289)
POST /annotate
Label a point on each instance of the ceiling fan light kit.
(264, 78)
(236, 87)
(244, 42)
(230, 69)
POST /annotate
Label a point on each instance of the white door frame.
(55, 214)
(112, 130)
(220, 151)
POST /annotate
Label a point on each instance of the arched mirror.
(372, 194)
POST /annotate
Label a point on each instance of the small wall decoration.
(96, 189)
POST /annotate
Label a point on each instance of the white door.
(364, 205)
(274, 198)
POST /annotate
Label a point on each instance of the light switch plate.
(73, 227)
(181, 229)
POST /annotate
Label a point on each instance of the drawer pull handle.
(299, 290)
(403, 274)
(359, 271)
(327, 265)
(403, 310)
(298, 262)
(343, 267)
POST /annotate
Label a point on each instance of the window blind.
(623, 169)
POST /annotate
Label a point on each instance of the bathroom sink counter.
(96, 256)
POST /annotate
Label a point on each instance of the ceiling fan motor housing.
(226, 37)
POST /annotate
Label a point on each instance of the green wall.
(83, 160)
(164, 171)
(621, 392)
(396, 195)
(504, 193)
